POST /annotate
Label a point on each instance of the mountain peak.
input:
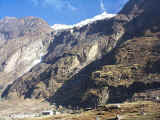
(102, 16)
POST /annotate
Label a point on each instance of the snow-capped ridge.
(102, 16)
(61, 26)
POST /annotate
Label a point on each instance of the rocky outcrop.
(146, 20)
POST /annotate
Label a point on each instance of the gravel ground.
(22, 106)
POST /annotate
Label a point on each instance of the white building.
(49, 112)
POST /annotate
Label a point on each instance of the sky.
(59, 11)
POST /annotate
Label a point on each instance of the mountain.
(68, 52)
(108, 60)
(22, 43)
(25, 42)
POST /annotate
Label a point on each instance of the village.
(118, 109)
(52, 111)
(55, 110)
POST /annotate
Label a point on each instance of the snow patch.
(61, 26)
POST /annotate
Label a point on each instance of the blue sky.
(59, 11)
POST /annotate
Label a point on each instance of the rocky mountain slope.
(26, 41)
(96, 63)
(22, 43)
(68, 53)
(125, 73)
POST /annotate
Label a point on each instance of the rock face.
(22, 44)
(106, 61)
(134, 69)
